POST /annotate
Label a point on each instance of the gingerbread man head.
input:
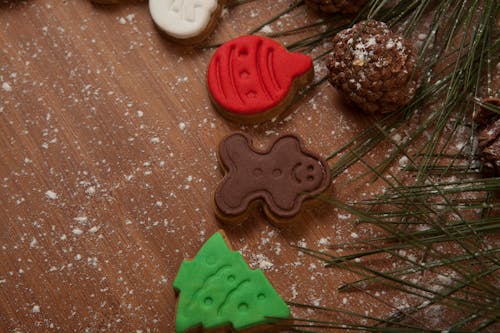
(281, 178)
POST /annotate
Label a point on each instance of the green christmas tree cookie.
(217, 288)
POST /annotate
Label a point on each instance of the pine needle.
(446, 216)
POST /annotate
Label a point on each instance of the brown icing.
(282, 177)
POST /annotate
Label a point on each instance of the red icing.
(252, 74)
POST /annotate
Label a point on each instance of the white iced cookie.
(188, 21)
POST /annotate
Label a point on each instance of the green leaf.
(217, 289)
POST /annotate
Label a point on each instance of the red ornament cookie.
(253, 78)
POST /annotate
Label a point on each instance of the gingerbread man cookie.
(253, 78)
(186, 21)
(281, 178)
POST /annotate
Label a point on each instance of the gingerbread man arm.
(233, 151)
(234, 154)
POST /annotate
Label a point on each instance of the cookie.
(217, 291)
(186, 21)
(280, 179)
(253, 79)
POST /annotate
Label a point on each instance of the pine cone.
(489, 138)
(373, 67)
(336, 6)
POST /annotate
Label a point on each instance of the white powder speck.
(446, 280)
(294, 292)
(181, 79)
(93, 230)
(6, 87)
(371, 41)
(189, 178)
(77, 231)
(270, 132)
(78, 257)
(360, 54)
(396, 138)
(122, 20)
(265, 265)
(267, 29)
(354, 235)
(33, 243)
(51, 195)
(182, 126)
(323, 241)
(35, 309)
(263, 262)
(155, 140)
(403, 161)
(81, 219)
(140, 113)
(90, 190)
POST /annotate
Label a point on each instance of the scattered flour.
(6, 87)
(77, 231)
(51, 195)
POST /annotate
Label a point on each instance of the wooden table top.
(108, 163)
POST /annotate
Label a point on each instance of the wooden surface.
(108, 163)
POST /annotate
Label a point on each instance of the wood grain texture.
(108, 163)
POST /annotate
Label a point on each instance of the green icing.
(217, 288)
